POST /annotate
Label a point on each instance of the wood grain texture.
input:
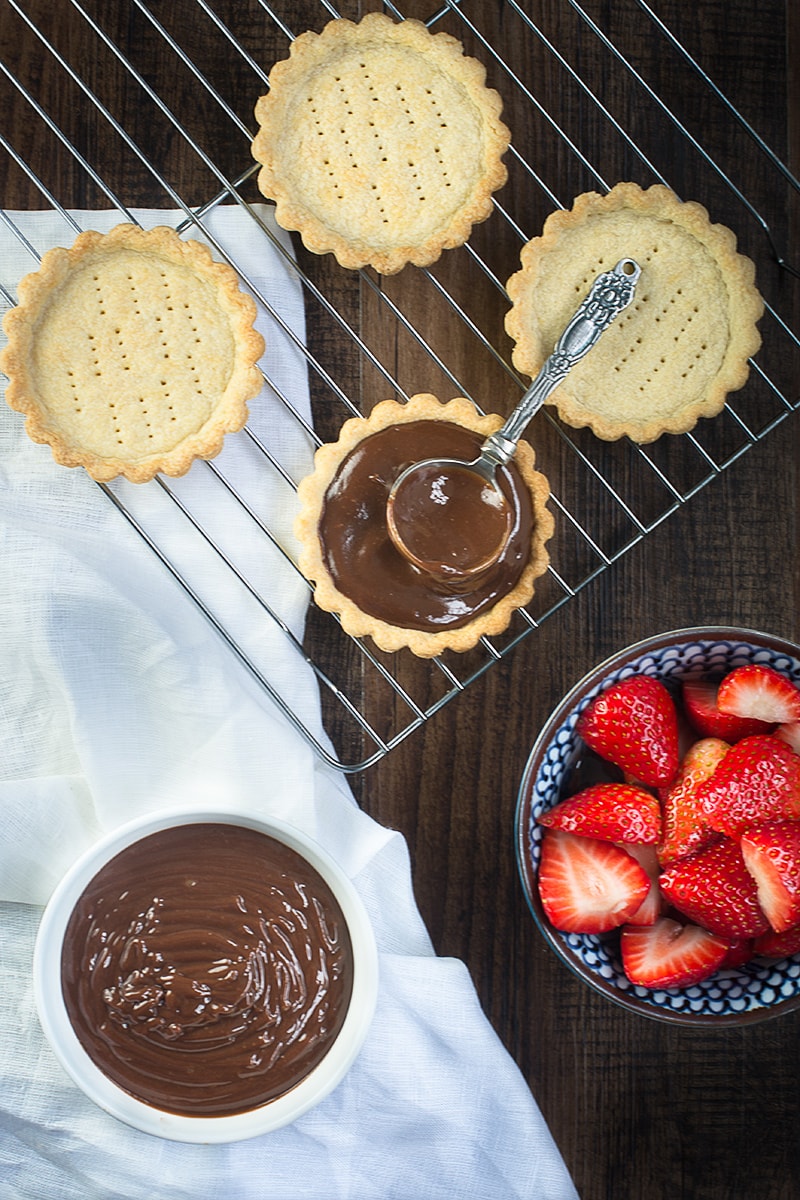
(641, 1111)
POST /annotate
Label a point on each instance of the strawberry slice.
(714, 888)
(684, 825)
(759, 693)
(586, 885)
(771, 853)
(778, 945)
(702, 713)
(652, 906)
(670, 954)
(757, 780)
(634, 725)
(615, 812)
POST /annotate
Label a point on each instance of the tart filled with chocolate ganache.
(347, 551)
(207, 969)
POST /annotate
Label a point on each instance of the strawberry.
(700, 706)
(714, 888)
(778, 945)
(684, 826)
(586, 885)
(789, 732)
(615, 812)
(634, 725)
(759, 692)
(670, 954)
(740, 951)
(653, 904)
(757, 780)
(771, 853)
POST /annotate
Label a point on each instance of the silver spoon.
(432, 502)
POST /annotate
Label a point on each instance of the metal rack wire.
(606, 497)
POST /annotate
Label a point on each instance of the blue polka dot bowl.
(759, 989)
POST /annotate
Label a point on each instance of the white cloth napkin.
(116, 697)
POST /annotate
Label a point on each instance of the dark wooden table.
(641, 1110)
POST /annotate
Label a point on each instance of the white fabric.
(117, 696)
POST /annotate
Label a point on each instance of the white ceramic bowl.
(98, 1087)
(762, 987)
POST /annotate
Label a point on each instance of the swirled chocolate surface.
(207, 969)
(361, 557)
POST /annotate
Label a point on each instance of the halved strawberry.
(634, 725)
(586, 885)
(757, 780)
(652, 906)
(670, 954)
(615, 812)
(759, 692)
(684, 825)
(702, 713)
(714, 888)
(771, 853)
(778, 945)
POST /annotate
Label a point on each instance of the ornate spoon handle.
(611, 292)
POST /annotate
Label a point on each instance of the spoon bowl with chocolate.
(450, 517)
(205, 976)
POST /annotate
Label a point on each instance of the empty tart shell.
(132, 353)
(379, 142)
(365, 526)
(682, 345)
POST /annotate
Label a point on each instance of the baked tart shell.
(380, 142)
(131, 353)
(683, 344)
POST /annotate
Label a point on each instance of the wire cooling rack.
(592, 97)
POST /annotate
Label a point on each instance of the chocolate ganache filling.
(207, 969)
(363, 561)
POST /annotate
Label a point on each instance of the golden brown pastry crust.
(131, 353)
(380, 142)
(681, 347)
(311, 495)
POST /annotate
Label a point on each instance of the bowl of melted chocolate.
(206, 977)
